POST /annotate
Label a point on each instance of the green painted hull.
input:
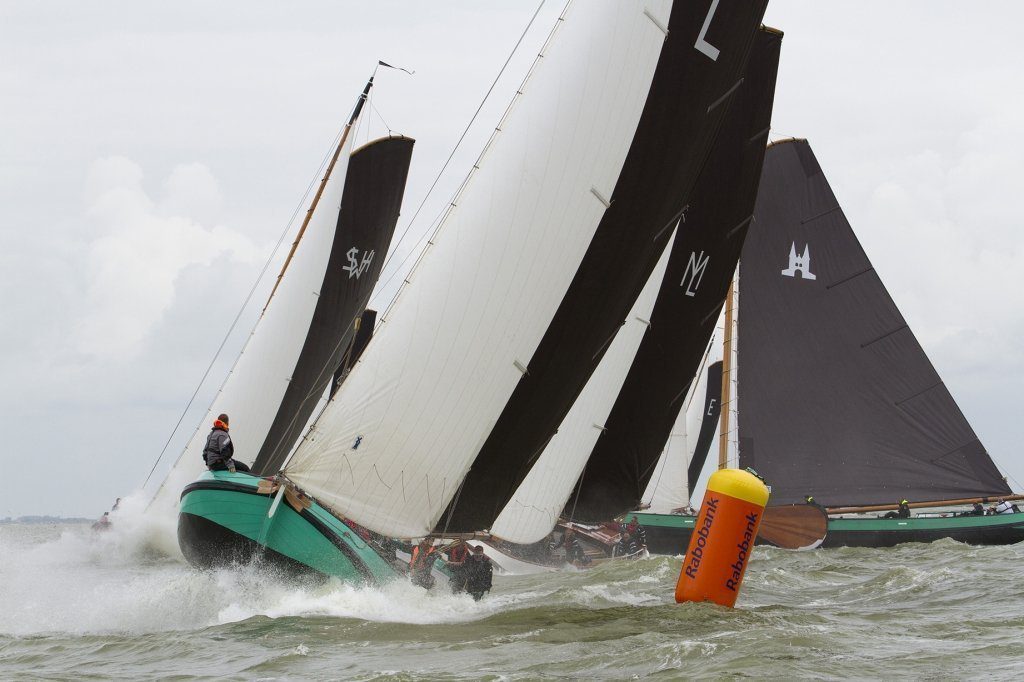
(223, 521)
(670, 533)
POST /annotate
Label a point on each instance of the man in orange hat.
(219, 451)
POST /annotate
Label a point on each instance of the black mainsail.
(837, 398)
(372, 197)
(702, 264)
(697, 75)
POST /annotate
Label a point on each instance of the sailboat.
(510, 307)
(662, 340)
(837, 400)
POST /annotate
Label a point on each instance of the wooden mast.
(918, 505)
(723, 437)
(320, 189)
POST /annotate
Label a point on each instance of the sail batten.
(837, 398)
(702, 264)
(683, 110)
(392, 449)
(534, 509)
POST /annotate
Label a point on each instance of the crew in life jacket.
(627, 545)
(219, 451)
(421, 562)
(1003, 507)
(457, 556)
(479, 573)
(574, 553)
(636, 531)
(902, 511)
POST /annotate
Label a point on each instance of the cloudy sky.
(152, 154)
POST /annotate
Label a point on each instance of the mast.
(288, 358)
(723, 437)
(320, 190)
(570, 205)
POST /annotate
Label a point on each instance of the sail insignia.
(837, 398)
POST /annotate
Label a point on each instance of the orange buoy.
(723, 538)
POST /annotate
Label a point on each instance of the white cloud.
(141, 250)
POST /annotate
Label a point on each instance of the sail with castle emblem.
(837, 399)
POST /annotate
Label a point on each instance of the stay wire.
(419, 209)
(245, 304)
(462, 137)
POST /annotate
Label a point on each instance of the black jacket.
(219, 448)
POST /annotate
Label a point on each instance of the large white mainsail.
(253, 391)
(534, 509)
(392, 448)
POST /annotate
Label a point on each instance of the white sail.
(668, 487)
(392, 448)
(533, 510)
(253, 392)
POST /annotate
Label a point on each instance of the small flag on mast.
(381, 63)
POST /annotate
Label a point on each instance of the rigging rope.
(245, 303)
(444, 167)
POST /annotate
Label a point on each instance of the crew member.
(103, 523)
(457, 556)
(219, 451)
(978, 509)
(574, 553)
(628, 545)
(902, 511)
(1003, 507)
(479, 573)
(636, 531)
(420, 564)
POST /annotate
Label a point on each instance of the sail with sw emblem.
(542, 255)
(292, 353)
(837, 399)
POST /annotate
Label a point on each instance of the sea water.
(123, 605)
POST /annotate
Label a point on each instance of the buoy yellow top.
(740, 484)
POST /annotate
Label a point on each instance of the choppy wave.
(123, 604)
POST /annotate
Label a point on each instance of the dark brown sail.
(698, 73)
(701, 265)
(371, 199)
(837, 399)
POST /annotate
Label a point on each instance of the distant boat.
(506, 314)
(836, 398)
